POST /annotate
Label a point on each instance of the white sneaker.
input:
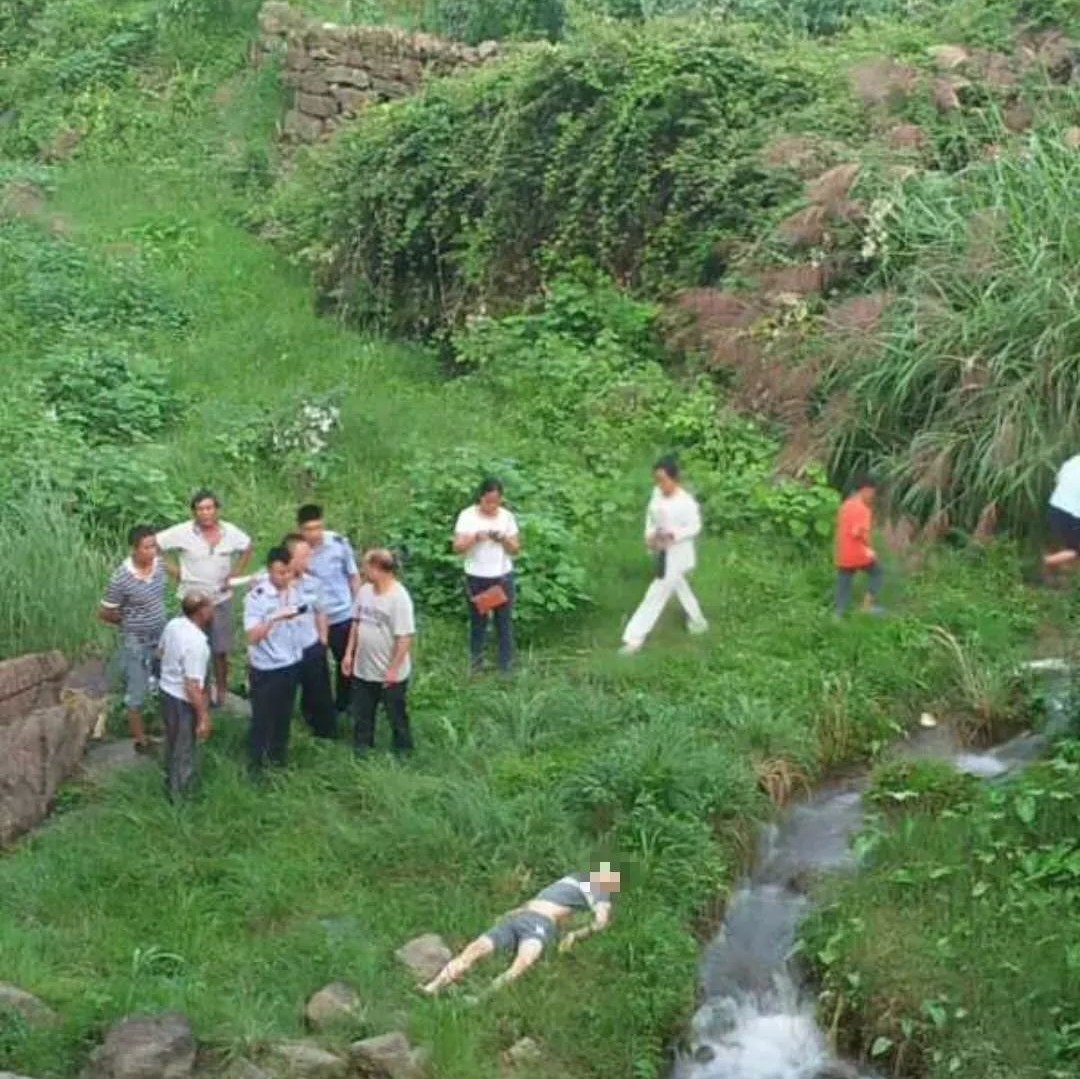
(631, 648)
(698, 628)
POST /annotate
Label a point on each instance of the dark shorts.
(221, 629)
(1065, 528)
(520, 926)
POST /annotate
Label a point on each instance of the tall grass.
(974, 398)
(54, 580)
(953, 952)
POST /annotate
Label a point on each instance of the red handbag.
(491, 599)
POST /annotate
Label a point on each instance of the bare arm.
(401, 653)
(109, 615)
(512, 544)
(322, 627)
(242, 562)
(172, 567)
(196, 695)
(349, 657)
(261, 630)
(465, 541)
(601, 918)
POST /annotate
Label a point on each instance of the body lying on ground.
(529, 929)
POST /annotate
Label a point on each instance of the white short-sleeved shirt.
(1066, 494)
(204, 568)
(487, 558)
(381, 620)
(185, 654)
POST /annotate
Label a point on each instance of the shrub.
(106, 398)
(579, 370)
(297, 438)
(468, 21)
(926, 786)
(637, 150)
(663, 766)
(550, 574)
(52, 286)
(974, 398)
(733, 463)
(116, 486)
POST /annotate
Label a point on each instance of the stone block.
(388, 89)
(425, 955)
(351, 101)
(340, 75)
(316, 105)
(313, 82)
(38, 752)
(333, 1004)
(146, 1047)
(302, 128)
(29, 682)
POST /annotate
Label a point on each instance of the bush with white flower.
(298, 438)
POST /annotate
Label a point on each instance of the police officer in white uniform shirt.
(274, 624)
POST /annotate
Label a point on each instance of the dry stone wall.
(335, 72)
(44, 728)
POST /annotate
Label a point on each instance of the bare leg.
(528, 952)
(221, 676)
(1059, 559)
(460, 964)
(135, 726)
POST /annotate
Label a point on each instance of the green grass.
(954, 953)
(50, 598)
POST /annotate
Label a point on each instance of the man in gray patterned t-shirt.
(135, 602)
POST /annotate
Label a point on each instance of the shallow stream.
(756, 1020)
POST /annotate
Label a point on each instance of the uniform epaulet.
(338, 538)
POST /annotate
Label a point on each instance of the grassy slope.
(956, 950)
(238, 908)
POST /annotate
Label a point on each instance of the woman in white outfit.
(672, 523)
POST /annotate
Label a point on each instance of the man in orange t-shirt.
(854, 554)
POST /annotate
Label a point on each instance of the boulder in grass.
(146, 1047)
(425, 956)
(244, 1069)
(34, 1012)
(521, 1056)
(333, 1004)
(298, 1060)
(389, 1056)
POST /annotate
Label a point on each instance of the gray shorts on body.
(520, 926)
(137, 662)
(221, 629)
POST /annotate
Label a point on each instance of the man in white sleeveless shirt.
(672, 524)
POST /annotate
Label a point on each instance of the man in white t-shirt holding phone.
(487, 535)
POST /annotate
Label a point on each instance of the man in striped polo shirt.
(135, 602)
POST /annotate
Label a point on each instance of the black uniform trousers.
(273, 696)
(316, 698)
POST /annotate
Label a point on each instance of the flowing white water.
(756, 1021)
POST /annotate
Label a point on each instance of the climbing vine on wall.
(638, 151)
